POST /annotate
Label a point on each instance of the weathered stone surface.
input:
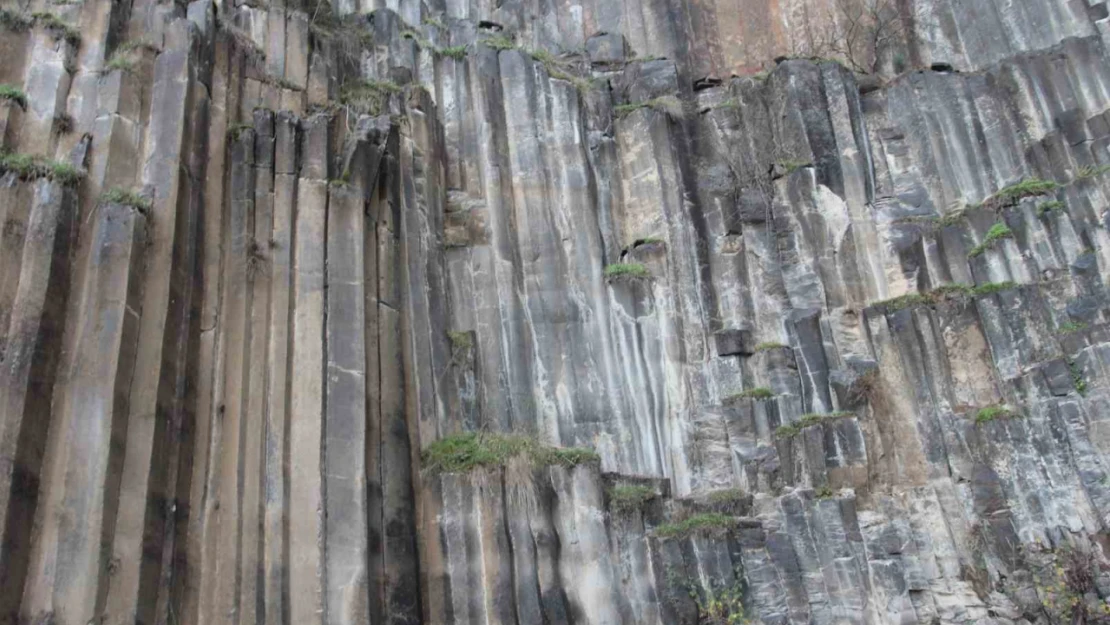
(632, 229)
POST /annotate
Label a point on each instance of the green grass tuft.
(462, 453)
(13, 94)
(235, 131)
(1011, 195)
(991, 288)
(668, 104)
(56, 27)
(460, 341)
(1090, 171)
(627, 271)
(14, 20)
(824, 493)
(707, 523)
(997, 232)
(629, 497)
(1077, 380)
(126, 197)
(368, 96)
(761, 392)
(454, 52)
(1048, 207)
(990, 413)
(766, 345)
(30, 167)
(499, 43)
(1071, 327)
(791, 166)
(725, 496)
(793, 429)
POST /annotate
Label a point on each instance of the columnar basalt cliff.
(553, 311)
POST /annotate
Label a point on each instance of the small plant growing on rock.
(1067, 587)
(499, 42)
(760, 393)
(1090, 171)
(990, 413)
(14, 94)
(668, 104)
(992, 288)
(627, 271)
(824, 492)
(1071, 327)
(1049, 207)
(460, 341)
(1011, 195)
(62, 124)
(126, 197)
(996, 233)
(57, 27)
(791, 166)
(257, 262)
(699, 524)
(768, 345)
(454, 52)
(1077, 379)
(14, 20)
(29, 168)
(369, 96)
(630, 497)
(235, 131)
(813, 418)
(462, 453)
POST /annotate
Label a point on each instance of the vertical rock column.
(68, 571)
(345, 426)
(27, 375)
(306, 480)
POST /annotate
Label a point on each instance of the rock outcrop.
(536, 311)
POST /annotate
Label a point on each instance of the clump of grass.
(813, 418)
(936, 222)
(460, 341)
(14, 20)
(57, 28)
(990, 413)
(707, 523)
(30, 167)
(944, 292)
(1077, 380)
(12, 93)
(235, 131)
(1048, 207)
(435, 21)
(1011, 195)
(257, 261)
(630, 497)
(242, 40)
(791, 166)
(556, 70)
(121, 60)
(991, 288)
(824, 493)
(455, 52)
(499, 42)
(996, 233)
(62, 124)
(462, 453)
(420, 41)
(725, 496)
(760, 392)
(368, 96)
(1090, 171)
(126, 197)
(627, 271)
(1071, 327)
(668, 104)
(766, 345)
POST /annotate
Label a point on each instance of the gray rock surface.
(839, 341)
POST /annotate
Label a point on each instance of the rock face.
(840, 342)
